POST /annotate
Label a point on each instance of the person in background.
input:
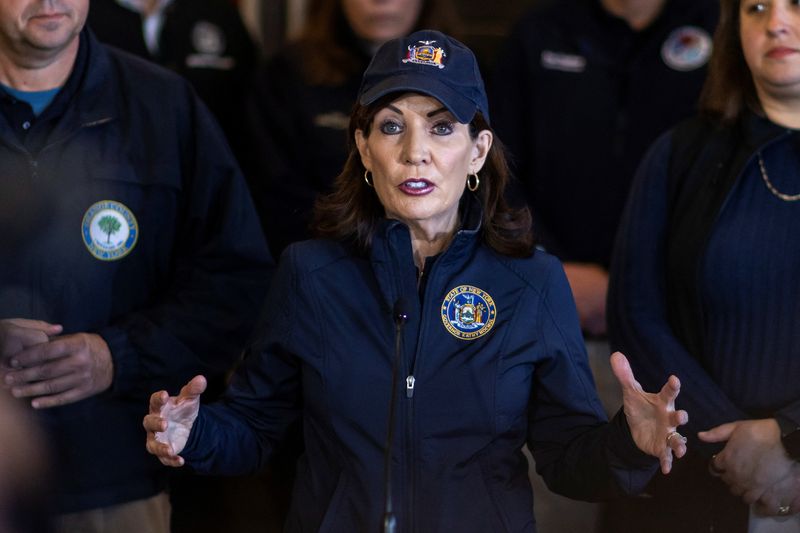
(424, 291)
(302, 100)
(205, 41)
(580, 90)
(704, 283)
(130, 248)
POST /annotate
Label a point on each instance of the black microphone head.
(401, 310)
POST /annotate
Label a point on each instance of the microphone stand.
(400, 318)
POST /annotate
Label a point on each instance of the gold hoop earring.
(473, 182)
(368, 178)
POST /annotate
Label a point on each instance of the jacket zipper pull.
(410, 386)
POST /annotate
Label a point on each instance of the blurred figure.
(24, 481)
(205, 41)
(132, 254)
(303, 98)
(580, 90)
(704, 283)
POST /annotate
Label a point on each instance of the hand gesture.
(170, 421)
(652, 417)
(753, 459)
(61, 370)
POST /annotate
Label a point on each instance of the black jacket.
(578, 96)
(205, 41)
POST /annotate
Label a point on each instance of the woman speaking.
(422, 313)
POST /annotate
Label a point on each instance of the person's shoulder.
(314, 254)
(537, 270)
(694, 11)
(549, 10)
(141, 72)
(549, 22)
(689, 133)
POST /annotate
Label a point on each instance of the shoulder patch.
(686, 48)
(468, 312)
(109, 230)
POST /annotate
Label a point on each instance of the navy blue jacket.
(457, 463)
(180, 302)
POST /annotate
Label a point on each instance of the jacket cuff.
(123, 356)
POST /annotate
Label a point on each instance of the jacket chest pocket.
(109, 234)
(146, 198)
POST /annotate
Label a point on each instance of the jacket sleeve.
(238, 434)
(637, 315)
(203, 311)
(576, 452)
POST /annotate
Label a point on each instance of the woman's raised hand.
(652, 417)
(170, 421)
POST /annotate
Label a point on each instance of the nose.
(415, 147)
(777, 18)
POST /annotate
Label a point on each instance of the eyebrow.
(432, 113)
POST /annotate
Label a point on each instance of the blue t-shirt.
(38, 100)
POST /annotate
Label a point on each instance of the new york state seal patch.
(468, 312)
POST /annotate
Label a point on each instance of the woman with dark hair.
(704, 282)
(422, 341)
(302, 100)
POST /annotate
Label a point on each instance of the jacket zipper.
(410, 388)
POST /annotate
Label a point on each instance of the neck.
(426, 242)
(784, 111)
(31, 73)
(639, 14)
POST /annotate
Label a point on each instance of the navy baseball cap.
(427, 62)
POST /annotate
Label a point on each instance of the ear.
(363, 150)
(480, 150)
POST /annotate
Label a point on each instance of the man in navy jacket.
(132, 256)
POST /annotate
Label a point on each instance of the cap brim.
(462, 108)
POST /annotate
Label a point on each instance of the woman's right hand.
(170, 421)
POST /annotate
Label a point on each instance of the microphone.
(400, 315)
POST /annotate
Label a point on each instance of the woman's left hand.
(652, 417)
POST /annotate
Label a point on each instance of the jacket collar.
(392, 257)
(95, 100)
